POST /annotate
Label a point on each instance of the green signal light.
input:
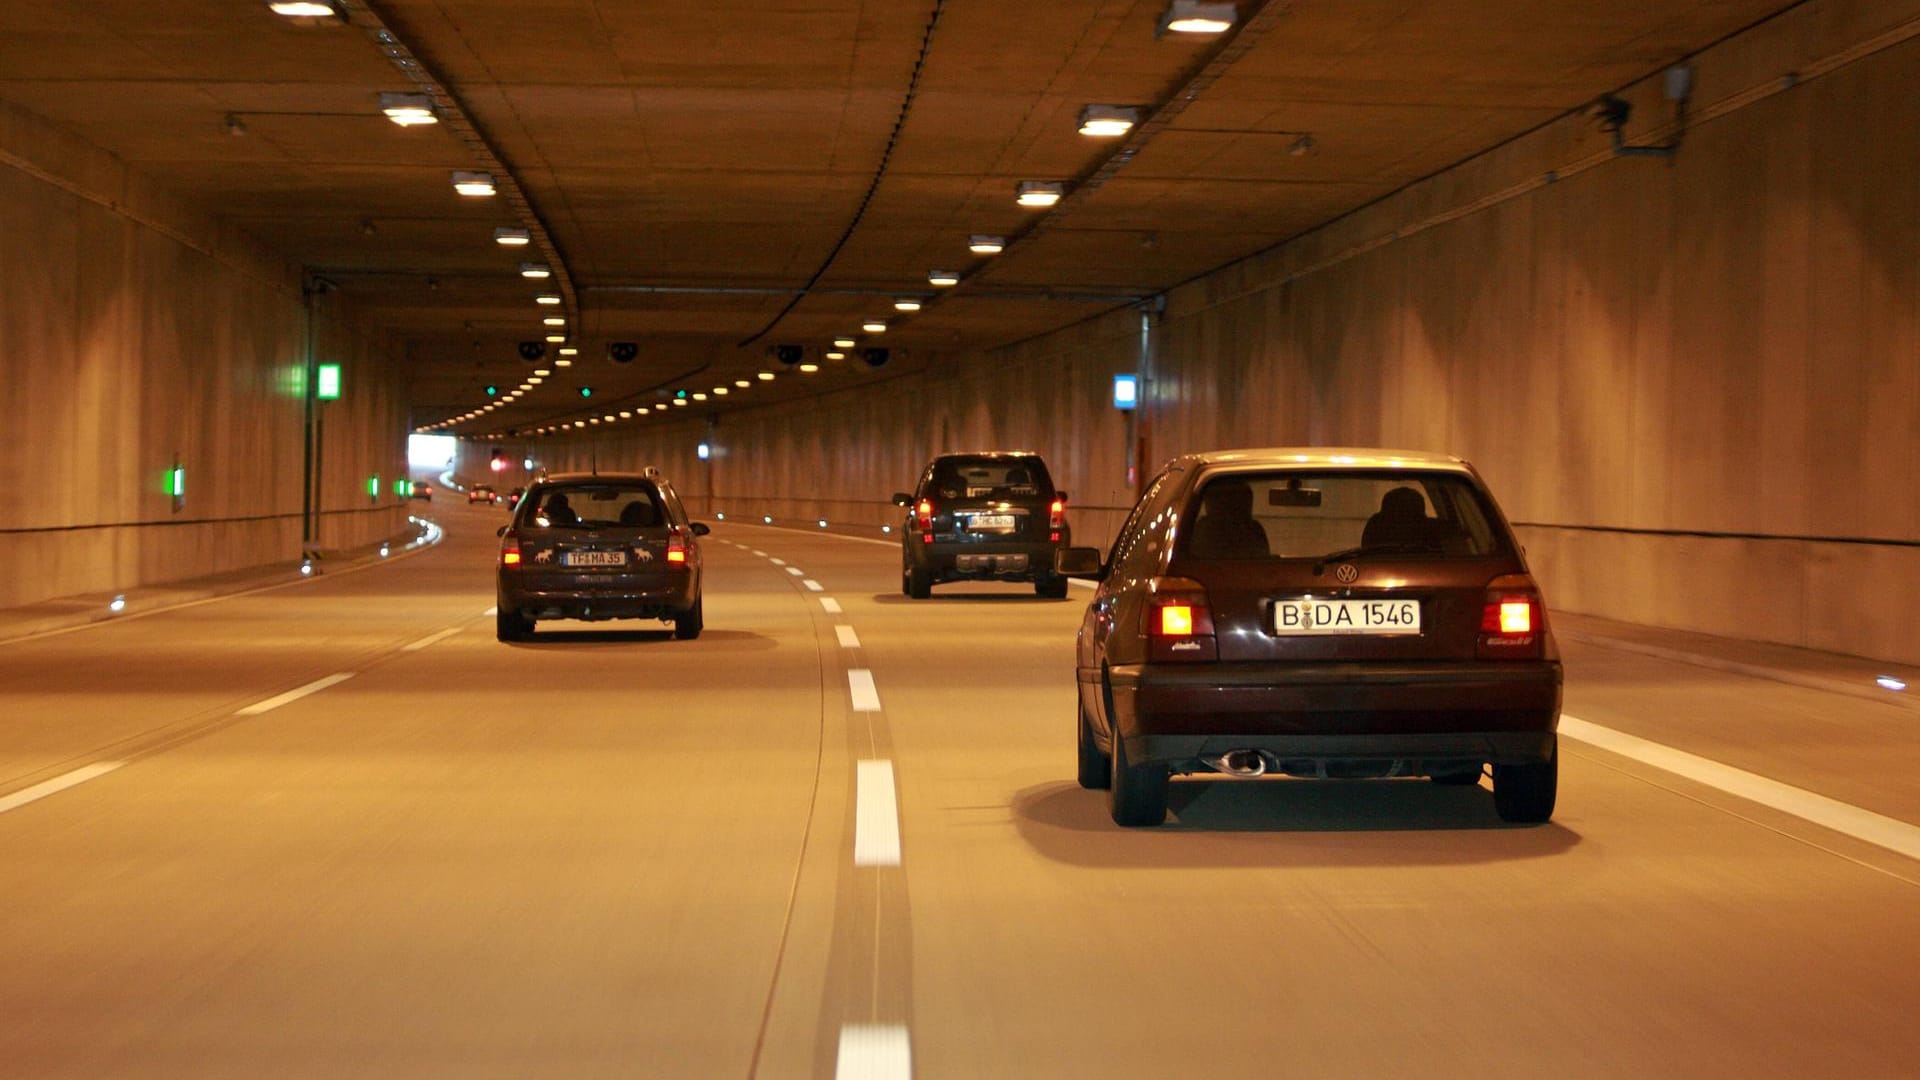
(177, 481)
(373, 485)
(492, 389)
(586, 391)
(327, 388)
(680, 394)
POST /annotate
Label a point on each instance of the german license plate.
(1307, 616)
(594, 558)
(991, 523)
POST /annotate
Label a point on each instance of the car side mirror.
(1080, 562)
(901, 498)
(700, 528)
(501, 531)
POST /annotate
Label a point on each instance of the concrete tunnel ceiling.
(714, 179)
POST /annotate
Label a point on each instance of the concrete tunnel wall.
(134, 329)
(1694, 384)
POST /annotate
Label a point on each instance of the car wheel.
(1464, 778)
(1137, 794)
(688, 624)
(1525, 793)
(511, 625)
(1096, 768)
(919, 582)
(1051, 586)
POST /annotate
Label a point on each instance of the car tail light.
(1179, 621)
(923, 519)
(1512, 619)
(1056, 513)
(510, 550)
(676, 548)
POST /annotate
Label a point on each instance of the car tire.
(1096, 768)
(1456, 779)
(919, 582)
(1525, 794)
(688, 624)
(1137, 794)
(511, 625)
(1051, 586)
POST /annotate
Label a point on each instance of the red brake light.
(510, 550)
(1179, 621)
(1512, 621)
(1057, 514)
(676, 549)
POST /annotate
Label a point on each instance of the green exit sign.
(327, 388)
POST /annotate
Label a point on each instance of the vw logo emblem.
(1346, 573)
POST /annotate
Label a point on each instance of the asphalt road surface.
(336, 829)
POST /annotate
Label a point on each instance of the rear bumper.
(1488, 712)
(1009, 560)
(661, 602)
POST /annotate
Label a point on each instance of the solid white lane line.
(293, 695)
(56, 785)
(814, 586)
(866, 696)
(848, 639)
(491, 611)
(795, 571)
(1082, 584)
(1877, 829)
(431, 639)
(832, 605)
(876, 819)
(778, 562)
(874, 1052)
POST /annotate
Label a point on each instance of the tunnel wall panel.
(1694, 383)
(135, 331)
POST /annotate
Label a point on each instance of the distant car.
(1318, 613)
(422, 491)
(481, 493)
(600, 546)
(990, 516)
(513, 497)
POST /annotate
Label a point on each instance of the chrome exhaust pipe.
(1245, 764)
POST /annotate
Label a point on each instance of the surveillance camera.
(875, 357)
(623, 352)
(531, 351)
(789, 354)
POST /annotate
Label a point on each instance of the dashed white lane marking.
(760, 553)
(876, 818)
(491, 611)
(848, 639)
(56, 785)
(294, 694)
(866, 696)
(832, 605)
(777, 562)
(874, 1052)
(1877, 829)
(814, 586)
(795, 571)
(431, 639)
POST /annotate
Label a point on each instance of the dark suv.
(991, 516)
(600, 546)
(1318, 613)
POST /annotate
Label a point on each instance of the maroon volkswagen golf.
(1315, 613)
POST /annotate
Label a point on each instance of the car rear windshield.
(990, 477)
(1304, 515)
(595, 505)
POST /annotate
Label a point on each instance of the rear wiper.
(1373, 549)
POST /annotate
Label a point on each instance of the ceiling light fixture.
(540, 373)
(982, 244)
(742, 383)
(906, 303)
(680, 401)
(548, 299)
(305, 9)
(943, 278)
(569, 351)
(554, 320)
(555, 339)
(509, 236)
(474, 185)
(1197, 17)
(722, 391)
(408, 110)
(765, 376)
(1035, 193)
(1108, 121)
(809, 368)
(843, 343)
(699, 397)
(836, 355)
(874, 326)
(565, 363)
(536, 271)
